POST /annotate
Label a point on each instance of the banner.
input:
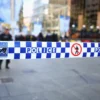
(67, 24)
(37, 28)
(64, 24)
(47, 50)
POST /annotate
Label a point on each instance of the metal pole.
(12, 14)
(64, 14)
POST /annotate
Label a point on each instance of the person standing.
(40, 37)
(54, 37)
(28, 37)
(73, 29)
(21, 36)
(48, 36)
(83, 32)
(5, 36)
(91, 32)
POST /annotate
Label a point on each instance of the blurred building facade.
(81, 12)
(27, 22)
(49, 13)
(92, 9)
(87, 9)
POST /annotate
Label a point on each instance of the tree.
(20, 22)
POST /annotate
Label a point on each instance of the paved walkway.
(59, 79)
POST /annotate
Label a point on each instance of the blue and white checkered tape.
(45, 50)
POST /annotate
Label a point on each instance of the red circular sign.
(76, 49)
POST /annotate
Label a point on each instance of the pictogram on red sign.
(76, 49)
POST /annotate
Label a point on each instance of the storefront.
(88, 10)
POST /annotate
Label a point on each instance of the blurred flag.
(37, 28)
(64, 24)
(1, 20)
(5, 10)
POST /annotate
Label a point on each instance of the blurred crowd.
(92, 33)
(29, 37)
(85, 34)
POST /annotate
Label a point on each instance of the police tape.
(48, 50)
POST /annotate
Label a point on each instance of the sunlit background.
(28, 8)
(55, 15)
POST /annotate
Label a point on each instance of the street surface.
(57, 79)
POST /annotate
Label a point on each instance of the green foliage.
(20, 22)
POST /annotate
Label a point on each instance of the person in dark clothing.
(83, 32)
(34, 38)
(97, 32)
(73, 30)
(91, 32)
(28, 37)
(54, 37)
(17, 38)
(21, 38)
(40, 37)
(5, 36)
(48, 37)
